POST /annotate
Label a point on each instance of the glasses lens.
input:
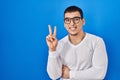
(76, 19)
(67, 20)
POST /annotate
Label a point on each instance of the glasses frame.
(73, 19)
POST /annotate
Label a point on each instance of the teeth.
(73, 28)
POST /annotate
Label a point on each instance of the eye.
(67, 20)
(76, 19)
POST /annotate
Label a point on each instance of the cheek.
(80, 25)
(66, 26)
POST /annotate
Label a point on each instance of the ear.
(64, 25)
(83, 21)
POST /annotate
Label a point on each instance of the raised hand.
(51, 39)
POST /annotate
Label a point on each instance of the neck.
(76, 39)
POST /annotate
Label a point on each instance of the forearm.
(93, 73)
(54, 66)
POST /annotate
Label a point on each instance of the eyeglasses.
(74, 19)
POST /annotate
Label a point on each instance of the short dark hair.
(74, 9)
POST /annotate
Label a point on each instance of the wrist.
(52, 49)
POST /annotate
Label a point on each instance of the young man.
(79, 55)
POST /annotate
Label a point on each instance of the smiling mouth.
(73, 28)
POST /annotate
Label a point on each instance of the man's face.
(73, 22)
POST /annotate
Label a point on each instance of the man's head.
(73, 20)
(73, 9)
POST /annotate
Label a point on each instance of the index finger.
(55, 30)
(50, 30)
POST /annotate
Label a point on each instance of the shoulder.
(62, 42)
(64, 39)
(93, 40)
(93, 37)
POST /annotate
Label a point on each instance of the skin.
(51, 39)
(76, 35)
(65, 72)
(75, 31)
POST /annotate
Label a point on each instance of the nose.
(71, 23)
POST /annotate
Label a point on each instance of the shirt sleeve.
(54, 65)
(99, 65)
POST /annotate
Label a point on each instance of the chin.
(73, 34)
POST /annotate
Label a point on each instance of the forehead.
(72, 14)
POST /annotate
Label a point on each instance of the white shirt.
(86, 60)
